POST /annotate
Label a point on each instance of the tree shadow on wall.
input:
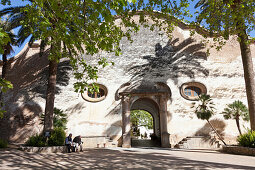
(209, 134)
(172, 61)
(23, 103)
(63, 78)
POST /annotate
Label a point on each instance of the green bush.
(59, 118)
(37, 141)
(3, 143)
(247, 139)
(57, 137)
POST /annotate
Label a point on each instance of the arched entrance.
(148, 96)
(151, 107)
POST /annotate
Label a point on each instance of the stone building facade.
(154, 73)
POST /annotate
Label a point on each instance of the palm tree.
(15, 17)
(237, 16)
(236, 110)
(205, 110)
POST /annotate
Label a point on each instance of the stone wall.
(151, 57)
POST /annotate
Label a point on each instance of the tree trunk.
(248, 72)
(4, 70)
(50, 96)
(238, 124)
(216, 132)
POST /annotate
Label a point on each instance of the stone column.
(165, 141)
(126, 125)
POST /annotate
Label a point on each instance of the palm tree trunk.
(216, 132)
(248, 71)
(238, 124)
(50, 96)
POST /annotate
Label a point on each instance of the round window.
(95, 96)
(192, 90)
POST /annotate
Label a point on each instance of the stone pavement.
(121, 158)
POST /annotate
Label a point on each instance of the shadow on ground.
(106, 159)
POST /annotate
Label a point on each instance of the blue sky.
(15, 3)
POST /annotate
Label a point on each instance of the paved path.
(120, 158)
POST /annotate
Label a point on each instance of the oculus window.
(192, 90)
(95, 96)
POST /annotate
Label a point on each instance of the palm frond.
(201, 3)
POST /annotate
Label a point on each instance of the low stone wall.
(239, 150)
(50, 149)
(93, 141)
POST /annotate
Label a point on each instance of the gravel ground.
(121, 158)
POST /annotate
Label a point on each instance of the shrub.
(247, 139)
(3, 143)
(59, 118)
(37, 141)
(57, 137)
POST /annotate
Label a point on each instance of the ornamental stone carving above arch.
(144, 88)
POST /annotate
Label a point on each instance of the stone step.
(197, 142)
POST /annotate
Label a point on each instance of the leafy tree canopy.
(4, 39)
(224, 16)
(141, 118)
(74, 27)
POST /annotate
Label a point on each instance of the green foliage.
(57, 137)
(141, 118)
(247, 139)
(5, 85)
(37, 141)
(236, 109)
(87, 27)
(4, 2)
(223, 17)
(4, 39)
(59, 118)
(3, 143)
(205, 108)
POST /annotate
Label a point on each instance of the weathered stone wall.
(151, 57)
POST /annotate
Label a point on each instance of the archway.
(148, 96)
(150, 109)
